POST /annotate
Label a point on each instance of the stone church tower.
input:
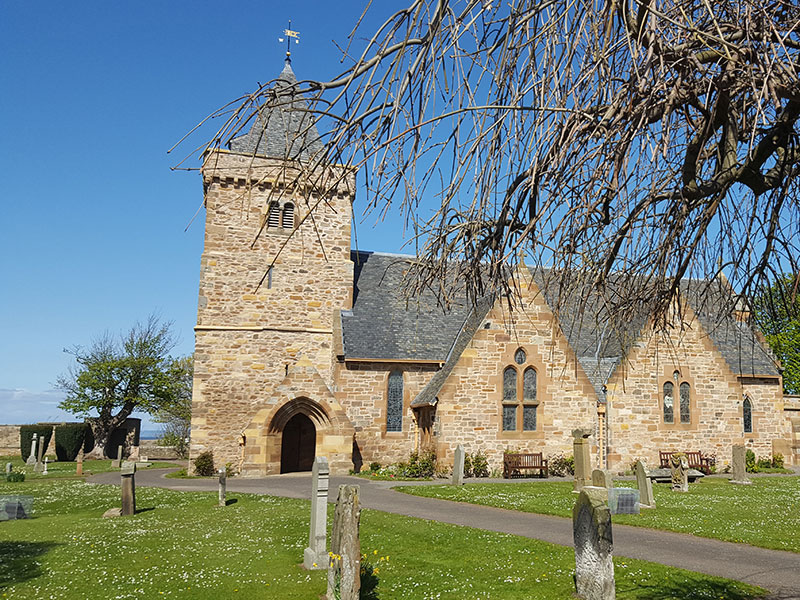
(274, 276)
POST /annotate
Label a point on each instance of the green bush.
(467, 465)
(374, 466)
(26, 436)
(15, 477)
(750, 462)
(69, 438)
(777, 461)
(560, 465)
(764, 463)
(480, 465)
(204, 464)
(420, 465)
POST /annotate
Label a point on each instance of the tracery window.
(684, 400)
(747, 415)
(394, 402)
(520, 402)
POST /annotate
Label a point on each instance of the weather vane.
(289, 33)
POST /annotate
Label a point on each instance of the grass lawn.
(182, 545)
(766, 513)
(66, 470)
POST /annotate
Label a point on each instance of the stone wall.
(9, 440)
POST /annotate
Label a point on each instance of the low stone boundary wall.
(9, 440)
(151, 449)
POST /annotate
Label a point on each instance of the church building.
(307, 348)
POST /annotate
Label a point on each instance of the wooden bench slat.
(513, 464)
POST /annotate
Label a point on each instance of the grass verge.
(181, 545)
(766, 513)
(66, 469)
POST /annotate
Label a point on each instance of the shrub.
(777, 461)
(480, 465)
(560, 465)
(173, 440)
(15, 477)
(69, 438)
(420, 465)
(467, 465)
(26, 436)
(374, 466)
(764, 463)
(750, 462)
(204, 464)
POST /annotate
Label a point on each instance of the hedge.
(69, 439)
(26, 436)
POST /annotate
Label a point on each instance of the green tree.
(176, 417)
(115, 376)
(776, 309)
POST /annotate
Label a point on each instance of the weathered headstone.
(591, 527)
(128, 473)
(315, 556)
(32, 456)
(623, 501)
(9, 468)
(223, 483)
(583, 462)
(15, 507)
(79, 463)
(680, 472)
(458, 466)
(646, 499)
(39, 466)
(117, 462)
(344, 568)
(739, 465)
(602, 478)
(44, 472)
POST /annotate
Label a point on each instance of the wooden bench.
(696, 460)
(515, 464)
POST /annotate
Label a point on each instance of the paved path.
(774, 570)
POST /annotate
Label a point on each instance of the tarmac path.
(774, 570)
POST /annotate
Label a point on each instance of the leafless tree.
(651, 138)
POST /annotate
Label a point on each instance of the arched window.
(274, 215)
(519, 395)
(394, 402)
(747, 415)
(669, 402)
(686, 415)
(288, 216)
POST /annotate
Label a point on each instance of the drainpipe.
(607, 432)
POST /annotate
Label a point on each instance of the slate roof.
(283, 128)
(383, 326)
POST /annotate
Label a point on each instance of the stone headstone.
(44, 472)
(739, 465)
(645, 485)
(583, 462)
(39, 466)
(79, 463)
(223, 482)
(344, 569)
(117, 462)
(680, 472)
(458, 466)
(602, 478)
(623, 501)
(9, 468)
(591, 527)
(316, 556)
(128, 473)
(32, 456)
(15, 507)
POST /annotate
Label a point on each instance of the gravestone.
(680, 472)
(458, 466)
(623, 501)
(583, 462)
(344, 567)
(15, 506)
(646, 499)
(79, 463)
(602, 478)
(127, 473)
(44, 472)
(32, 456)
(39, 466)
(223, 480)
(117, 462)
(9, 468)
(591, 528)
(315, 556)
(739, 465)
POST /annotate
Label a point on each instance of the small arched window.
(747, 415)
(519, 395)
(669, 402)
(510, 399)
(686, 415)
(287, 221)
(394, 402)
(274, 215)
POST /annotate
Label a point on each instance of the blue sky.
(93, 94)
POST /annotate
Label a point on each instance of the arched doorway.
(298, 444)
